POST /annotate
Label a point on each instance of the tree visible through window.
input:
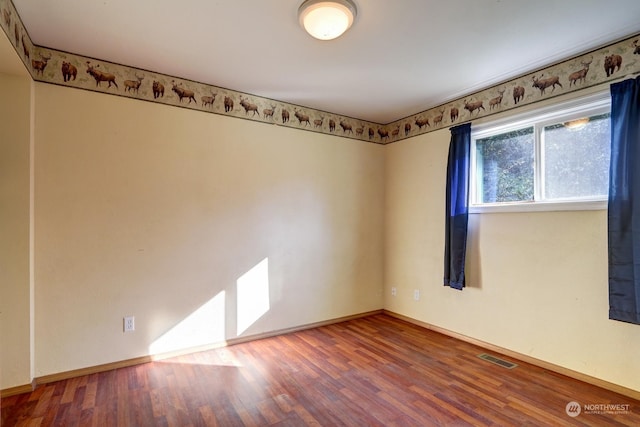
(505, 167)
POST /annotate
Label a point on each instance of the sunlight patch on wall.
(204, 326)
(253, 295)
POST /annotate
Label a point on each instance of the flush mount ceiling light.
(576, 124)
(326, 20)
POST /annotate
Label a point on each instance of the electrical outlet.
(129, 324)
(416, 295)
(394, 291)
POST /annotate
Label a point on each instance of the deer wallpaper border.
(48, 65)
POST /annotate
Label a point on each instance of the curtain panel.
(457, 206)
(624, 203)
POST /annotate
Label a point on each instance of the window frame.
(591, 105)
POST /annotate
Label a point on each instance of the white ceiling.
(399, 58)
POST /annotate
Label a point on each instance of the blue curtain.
(457, 213)
(624, 202)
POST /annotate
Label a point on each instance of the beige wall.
(15, 288)
(156, 212)
(537, 282)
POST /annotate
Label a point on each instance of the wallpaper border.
(609, 63)
(49, 65)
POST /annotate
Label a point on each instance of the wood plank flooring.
(374, 371)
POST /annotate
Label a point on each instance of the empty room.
(238, 213)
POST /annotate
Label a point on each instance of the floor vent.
(497, 361)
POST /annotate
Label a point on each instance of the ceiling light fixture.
(326, 20)
(576, 124)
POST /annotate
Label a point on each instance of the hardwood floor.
(374, 371)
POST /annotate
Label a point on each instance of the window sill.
(582, 205)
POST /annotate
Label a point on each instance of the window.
(552, 159)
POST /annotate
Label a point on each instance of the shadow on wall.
(206, 325)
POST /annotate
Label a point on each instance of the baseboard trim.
(60, 376)
(625, 391)
(158, 357)
(255, 337)
(12, 391)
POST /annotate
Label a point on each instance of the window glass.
(576, 158)
(504, 167)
